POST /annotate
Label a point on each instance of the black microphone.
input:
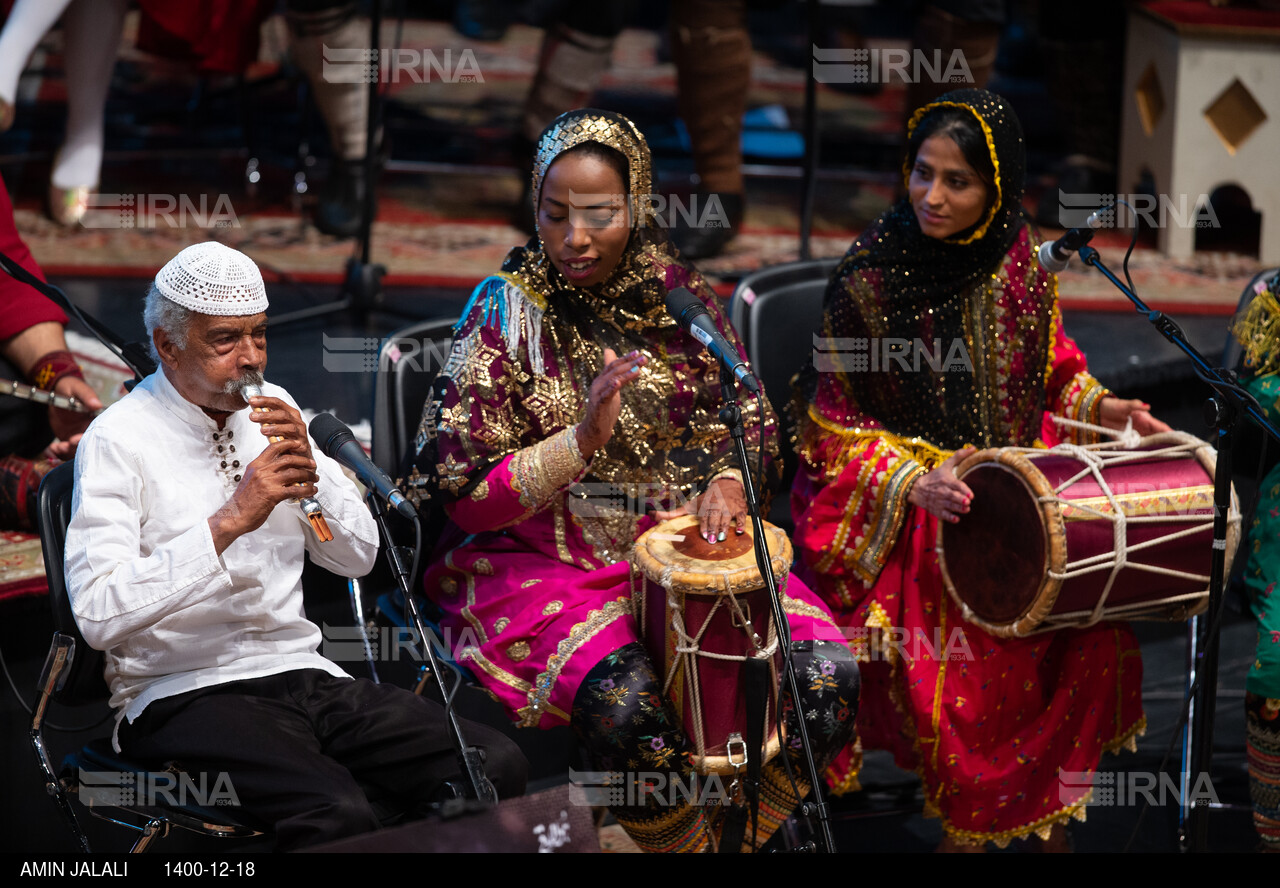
(694, 319)
(337, 442)
(1055, 254)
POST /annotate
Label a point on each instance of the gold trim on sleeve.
(542, 470)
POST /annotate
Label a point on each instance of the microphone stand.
(133, 354)
(1223, 412)
(470, 759)
(731, 416)
(361, 292)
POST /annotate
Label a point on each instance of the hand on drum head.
(1115, 412)
(940, 492)
(723, 504)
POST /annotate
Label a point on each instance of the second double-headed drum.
(1073, 535)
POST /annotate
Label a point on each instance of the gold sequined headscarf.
(1257, 328)
(633, 289)
(627, 312)
(575, 128)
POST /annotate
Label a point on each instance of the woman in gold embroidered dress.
(987, 723)
(567, 375)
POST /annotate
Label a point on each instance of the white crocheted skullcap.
(213, 279)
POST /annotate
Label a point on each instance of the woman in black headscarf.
(986, 722)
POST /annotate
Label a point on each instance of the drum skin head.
(698, 567)
(999, 586)
(1039, 549)
(1005, 575)
(695, 547)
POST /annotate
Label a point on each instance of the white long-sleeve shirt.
(146, 585)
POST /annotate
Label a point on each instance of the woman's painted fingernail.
(739, 531)
(721, 536)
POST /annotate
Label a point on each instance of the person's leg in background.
(28, 22)
(944, 26)
(1090, 37)
(92, 29)
(711, 47)
(313, 25)
(576, 51)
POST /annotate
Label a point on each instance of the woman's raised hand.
(604, 403)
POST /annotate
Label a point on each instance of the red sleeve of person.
(20, 306)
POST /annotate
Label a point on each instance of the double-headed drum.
(1074, 535)
(703, 611)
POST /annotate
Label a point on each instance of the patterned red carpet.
(448, 196)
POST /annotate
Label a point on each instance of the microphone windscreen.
(329, 432)
(684, 306)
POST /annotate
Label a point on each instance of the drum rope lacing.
(689, 647)
(1127, 437)
(1094, 457)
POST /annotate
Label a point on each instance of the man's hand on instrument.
(61, 451)
(940, 492)
(280, 420)
(281, 472)
(1114, 412)
(604, 402)
(721, 506)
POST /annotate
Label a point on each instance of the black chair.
(102, 779)
(777, 311)
(408, 362)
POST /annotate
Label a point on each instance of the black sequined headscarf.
(913, 286)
